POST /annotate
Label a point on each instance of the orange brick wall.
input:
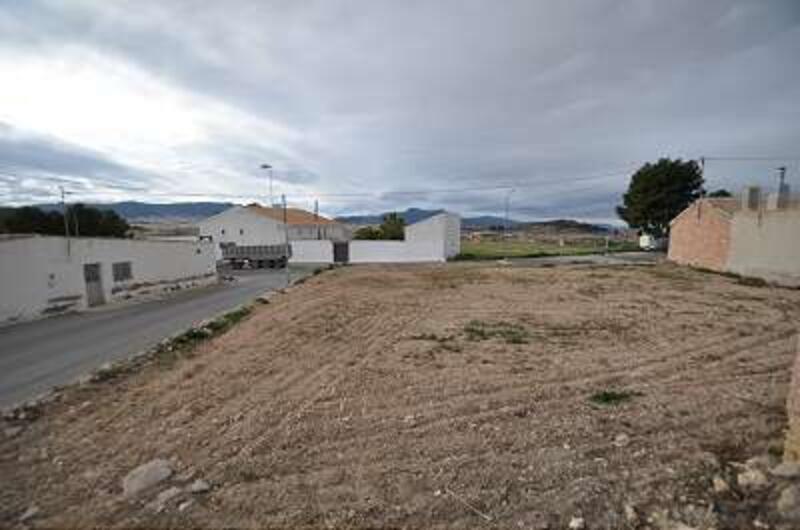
(701, 237)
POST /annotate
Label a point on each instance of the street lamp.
(508, 221)
(285, 223)
(269, 168)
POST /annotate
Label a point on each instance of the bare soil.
(465, 395)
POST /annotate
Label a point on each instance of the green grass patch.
(477, 330)
(493, 250)
(431, 337)
(181, 346)
(613, 397)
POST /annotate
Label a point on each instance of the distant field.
(520, 249)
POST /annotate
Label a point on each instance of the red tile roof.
(294, 216)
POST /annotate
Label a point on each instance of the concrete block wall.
(312, 251)
(766, 244)
(701, 237)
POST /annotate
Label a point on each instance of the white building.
(46, 275)
(256, 225)
(432, 240)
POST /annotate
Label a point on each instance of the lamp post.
(269, 169)
(286, 239)
(508, 220)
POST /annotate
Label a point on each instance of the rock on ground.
(29, 514)
(752, 479)
(789, 503)
(577, 523)
(786, 470)
(720, 485)
(145, 476)
(199, 486)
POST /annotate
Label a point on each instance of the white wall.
(45, 274)
(388, 252)
(766, 244)
(312, 251)
(434, 239)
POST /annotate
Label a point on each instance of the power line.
(754, 158)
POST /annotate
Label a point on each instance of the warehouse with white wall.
(258, 225)
(47, 275)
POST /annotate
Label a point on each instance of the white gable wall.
(243, 227)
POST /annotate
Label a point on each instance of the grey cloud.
(389, 96)
(28, 157)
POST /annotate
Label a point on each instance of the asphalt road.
(35, 356)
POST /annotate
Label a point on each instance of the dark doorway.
(94, 284)
(341, 252)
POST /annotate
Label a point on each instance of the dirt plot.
(430, 396)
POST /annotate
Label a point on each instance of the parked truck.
(256, 256)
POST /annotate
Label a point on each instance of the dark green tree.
(83, 220)
(658, 192)
(32, 220)
(393, 226)
(722, 192)
(368, 232)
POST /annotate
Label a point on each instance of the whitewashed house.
(42, 275)
(257, 225)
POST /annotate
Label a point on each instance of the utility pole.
(703, 172)
(508, 221)
(66, 219)
(269, 171)
(286, 234)
(316, 217)
(781, 176)
(77, 226)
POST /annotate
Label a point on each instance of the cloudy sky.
(360, 103)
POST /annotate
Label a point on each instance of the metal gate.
(94, 284)
(341, 252)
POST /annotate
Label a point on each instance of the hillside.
(410, 215)
(565, 225)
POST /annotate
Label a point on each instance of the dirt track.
(450, 396)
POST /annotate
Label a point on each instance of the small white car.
(650, 242)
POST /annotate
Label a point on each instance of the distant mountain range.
(140, 212)
(411, 216)
(481, 222)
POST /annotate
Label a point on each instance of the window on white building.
(122, 271)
